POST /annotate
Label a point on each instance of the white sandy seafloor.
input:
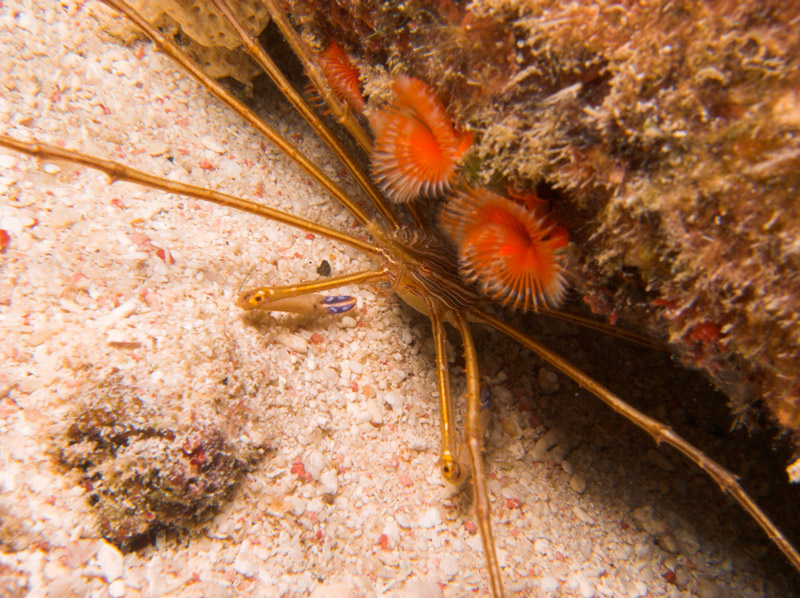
(118, 282)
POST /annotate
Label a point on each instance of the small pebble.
(243, 565)
(40, 335)
(53, 570)
(293, 342)
(544, 444)
(212, 144)
(51, 168)
(297, 506)
(116, 589)
(668, 543)
(623, 552)
(403, 521)
(594, 572)
(681, 578)
(391, 530)
(6, 182)
(511, 426)
(502, 394)
(644, 550)
(583, 515)
(7, 162)
(158, 149)
(315, 463)
(348, 322)
(586, 588)
(330, 375)
(794, 471)
(548, 381)
(688, 541)
(449, 566)
(638, 590)
(430, 518)
(517, 450)
(394, 400)
(14, 225)
(374, 412)
(356, 367)
(110, 561)
(542, 546)
(578, 483)
(549, 584)
(330, 481)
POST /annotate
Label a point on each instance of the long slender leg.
(626, 335)
(340, 112)
(319, 82)
(661, 433)
(228, 99)
(120, 172)
(263, 59)
(303, 298)
(474, 440)
(449, 455)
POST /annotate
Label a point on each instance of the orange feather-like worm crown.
(417, 148)
(511, 253)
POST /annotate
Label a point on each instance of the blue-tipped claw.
(338, 304)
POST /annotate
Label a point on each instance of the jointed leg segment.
(263, 59)
(474, 440)
(661, 433)
(303, 298)
(451, 471)
(169, 48)
(452, 467)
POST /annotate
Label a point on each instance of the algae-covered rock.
(145, 468)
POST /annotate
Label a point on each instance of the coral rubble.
(145, 469)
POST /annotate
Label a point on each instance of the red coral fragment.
(299, 469)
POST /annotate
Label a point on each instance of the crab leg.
(263, 59)
(303, 298)
(229, 100)
(661, 433)
(475, 429)
(616, 332)
(449, 453)
(340, 112)
(120, 172)
(474, 440)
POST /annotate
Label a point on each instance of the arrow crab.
(301, 521)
